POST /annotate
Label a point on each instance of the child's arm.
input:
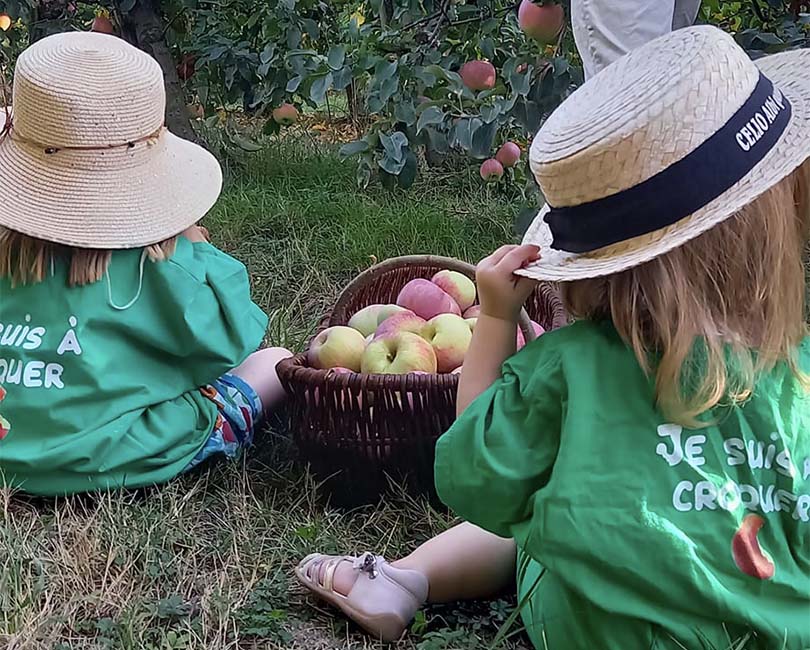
(502, 295)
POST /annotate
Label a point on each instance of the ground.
(206, 561)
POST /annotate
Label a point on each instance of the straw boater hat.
(659, 147)
(86, 160)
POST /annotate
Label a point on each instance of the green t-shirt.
(99, 397)
(632, 532)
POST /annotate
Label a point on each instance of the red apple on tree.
(542, 22)
(508, 155)
(5, 22)
(102, 25)
(491, 171)
(478, 75)
(285, 115)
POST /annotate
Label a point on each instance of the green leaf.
(483, 139)
(490, 113)
(388, 88)
(244, 143)
(127, 5)
(293, 37)
(404, 111)
(437, 141)
(374, 103)
(289, 5)
(294, 83)
(317, 93)
(353, 148)
(336, 57)
(487, 47)
(363, 176)
(427, 78)
(464, 130)
(430, 116)
(268, 53)
(407, 174)
(521, 82)
(271, 127)
(384, 70)
(394, 147)
(342, 78)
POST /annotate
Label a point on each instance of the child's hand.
(501, 292)
(196, 233)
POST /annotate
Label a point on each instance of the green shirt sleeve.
(503, 447)
(211, 324)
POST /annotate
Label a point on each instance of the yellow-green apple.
(368, 319)
(471, 322)
(450, 337)
(337, 347)
(426, 299)
(405, 321)
(398, 354)
(473, 312)
(457, 285)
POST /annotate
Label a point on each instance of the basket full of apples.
(377, 386)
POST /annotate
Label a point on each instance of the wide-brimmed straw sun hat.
(665, 143)
(86, 160)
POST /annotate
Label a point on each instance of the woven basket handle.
(368, 276)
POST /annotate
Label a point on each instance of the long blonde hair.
(26, 260)
(738, 291)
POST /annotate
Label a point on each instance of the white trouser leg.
(605, 30)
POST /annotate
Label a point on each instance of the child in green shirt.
(644, 472)
(120, 325)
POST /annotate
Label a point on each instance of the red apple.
(286, 114)
(368, 319)
(427, 300)
(5, 22)
(491, 171)
(406, 321)
(473, 312)
(450, 337)
(508, 155)
(337, 347)
(478, 75)
(748, 555)
(541, 22)
(398, 355)
(102, 25)
(458, 286)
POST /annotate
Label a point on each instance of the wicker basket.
(354, 430)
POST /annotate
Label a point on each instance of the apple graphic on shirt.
(5, 426)
(749, 557)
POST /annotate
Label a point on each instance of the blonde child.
(645, 472)
(120, 326)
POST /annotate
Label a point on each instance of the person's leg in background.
(685, 14)
(606, 30)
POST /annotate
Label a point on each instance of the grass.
(205, 562)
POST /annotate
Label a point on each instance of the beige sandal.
(383, 599)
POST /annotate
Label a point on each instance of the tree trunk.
(145, 26)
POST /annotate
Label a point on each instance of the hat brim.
(790, 72)
(107, 199)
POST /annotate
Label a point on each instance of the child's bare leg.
(463, 563)
(259, 371)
